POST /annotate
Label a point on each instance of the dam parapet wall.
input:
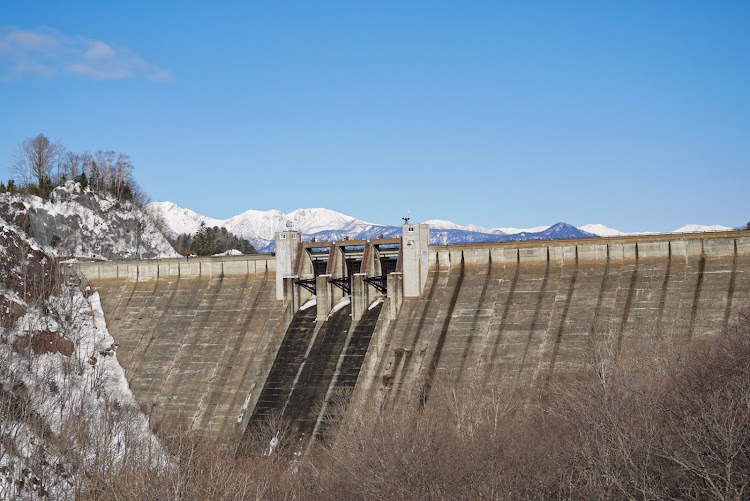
(615, 249)
(193, 267)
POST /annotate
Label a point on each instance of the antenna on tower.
(289, 225)
(407, 218)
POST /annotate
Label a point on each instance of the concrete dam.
(224, 343)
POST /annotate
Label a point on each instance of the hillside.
(66, 411)
(77, 222)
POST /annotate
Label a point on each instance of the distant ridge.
(324, 224)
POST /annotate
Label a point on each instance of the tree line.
(40, 165)
(208, 241)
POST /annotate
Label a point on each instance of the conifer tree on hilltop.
(208, 241)
(203, 244)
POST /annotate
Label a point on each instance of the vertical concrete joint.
(395, 296)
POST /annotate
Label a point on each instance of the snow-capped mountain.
(180, 220)
(514, 231)
(323, 224)
(698, 228)
(437, 224)
(601, 230)
(259, 226)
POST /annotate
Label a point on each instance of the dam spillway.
(203, 340)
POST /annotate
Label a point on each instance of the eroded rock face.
(27, 273)
(75, 222)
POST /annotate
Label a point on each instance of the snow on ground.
(230, 252)
(78, 222)
(79, 414)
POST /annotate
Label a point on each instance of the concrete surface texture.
(194, 342)
(315, 359)
(517, 313)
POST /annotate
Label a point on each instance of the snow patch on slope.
(82, 398)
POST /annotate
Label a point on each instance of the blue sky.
(633, 114)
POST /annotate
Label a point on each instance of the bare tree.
(35, 159)
(123, 169)
(72, 164)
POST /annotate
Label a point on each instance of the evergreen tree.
(82, 179)
(203, 242)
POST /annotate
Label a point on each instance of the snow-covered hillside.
(66, 411)
(323, 224)
(76, 222)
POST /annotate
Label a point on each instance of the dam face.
(209, 342)
(196, 338)
(520, 313)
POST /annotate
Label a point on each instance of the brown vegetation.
(671, 425)
(42, 342)
(26, 272)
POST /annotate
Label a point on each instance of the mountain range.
(324, 224)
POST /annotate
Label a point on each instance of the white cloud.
(47, 53)
(99, 50)
(98, 73)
